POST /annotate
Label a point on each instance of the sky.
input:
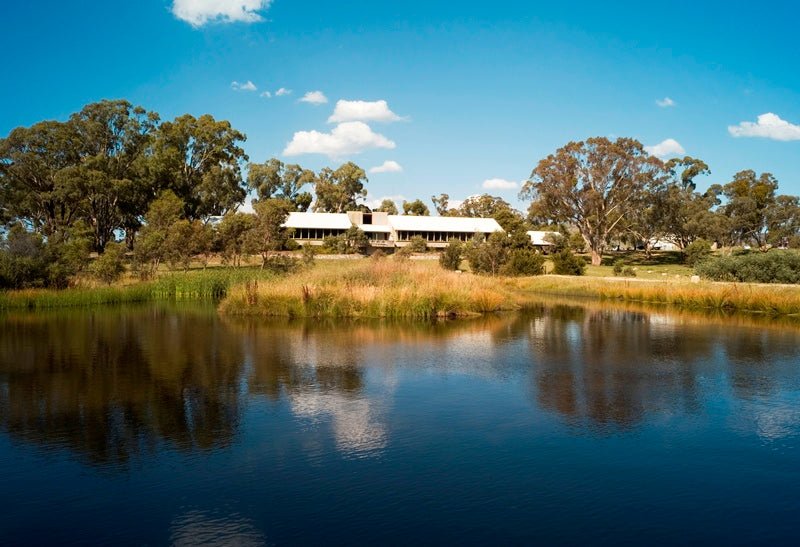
(428, 96)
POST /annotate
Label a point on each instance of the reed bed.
(211, 284)
(372, 289)
(751, 298)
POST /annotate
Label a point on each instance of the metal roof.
(330, 221)
(538, 238)
(375, 227)
(444, 224)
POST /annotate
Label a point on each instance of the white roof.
(538, 238)
(375, 227)
(444, 224)
(330, 221)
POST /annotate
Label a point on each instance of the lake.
(571, 423)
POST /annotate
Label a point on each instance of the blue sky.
(482, 90)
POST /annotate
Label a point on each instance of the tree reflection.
(608, 367)
(111, 383)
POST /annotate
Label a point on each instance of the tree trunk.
(597, 257)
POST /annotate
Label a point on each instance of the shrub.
(417, 244)
(697, 251)
(776, 266)
(309, 253)
(487, 256)
(620, 269)
(450, 258)
(109, 266)
(523, 262)
(566, 263)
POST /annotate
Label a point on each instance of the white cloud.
(314, 97)
(389, 166)
(199, 12)
(374, 203)
(247, 86)
(666, 102)
(346, 138)
(668, 147)
(266, 95)
(365, 111)
(499, 184)
(283, 91)
(769, 126)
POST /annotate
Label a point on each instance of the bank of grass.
(201, 284)
(384, 288)
(739, 297)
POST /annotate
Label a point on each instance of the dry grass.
(744, 297)
(372, 288)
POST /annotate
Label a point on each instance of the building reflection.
(113, 383)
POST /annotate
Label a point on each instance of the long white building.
(385, 230)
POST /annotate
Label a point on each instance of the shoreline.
(415, 290)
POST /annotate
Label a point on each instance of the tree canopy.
(594, 185)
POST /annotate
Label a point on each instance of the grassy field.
(419, 289)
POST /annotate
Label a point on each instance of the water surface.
(172, 425)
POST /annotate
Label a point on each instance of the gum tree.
(593, 184)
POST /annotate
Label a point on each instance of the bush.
(566, 263)
(418, 244)
(109, 267)
(309, 254)
(523, 262)
(697, 251)
(776, 266)
(450, 258)
(620, 269)
(487, 255)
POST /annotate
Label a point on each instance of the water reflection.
(111, 384)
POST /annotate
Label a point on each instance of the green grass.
(209, 284)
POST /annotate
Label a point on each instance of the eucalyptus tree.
(338, 191)
(274, 179)
(387, 206)
(416, 208)
(115, 138)
(199, 159)
(32, 185)
(594, 185)
(749, 198)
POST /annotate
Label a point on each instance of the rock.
(695, 279)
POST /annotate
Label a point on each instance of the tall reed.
(372, 288)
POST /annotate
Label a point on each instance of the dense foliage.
(776, 266)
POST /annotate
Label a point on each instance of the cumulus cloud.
(389, 166)
(314, 97)
(499, 184)
(246, 86)
(283, 91)
(666, 102)
(364, 111)
(346, 138)
(668, 147)
(266, 95)
(200, 12)
(769, 126)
